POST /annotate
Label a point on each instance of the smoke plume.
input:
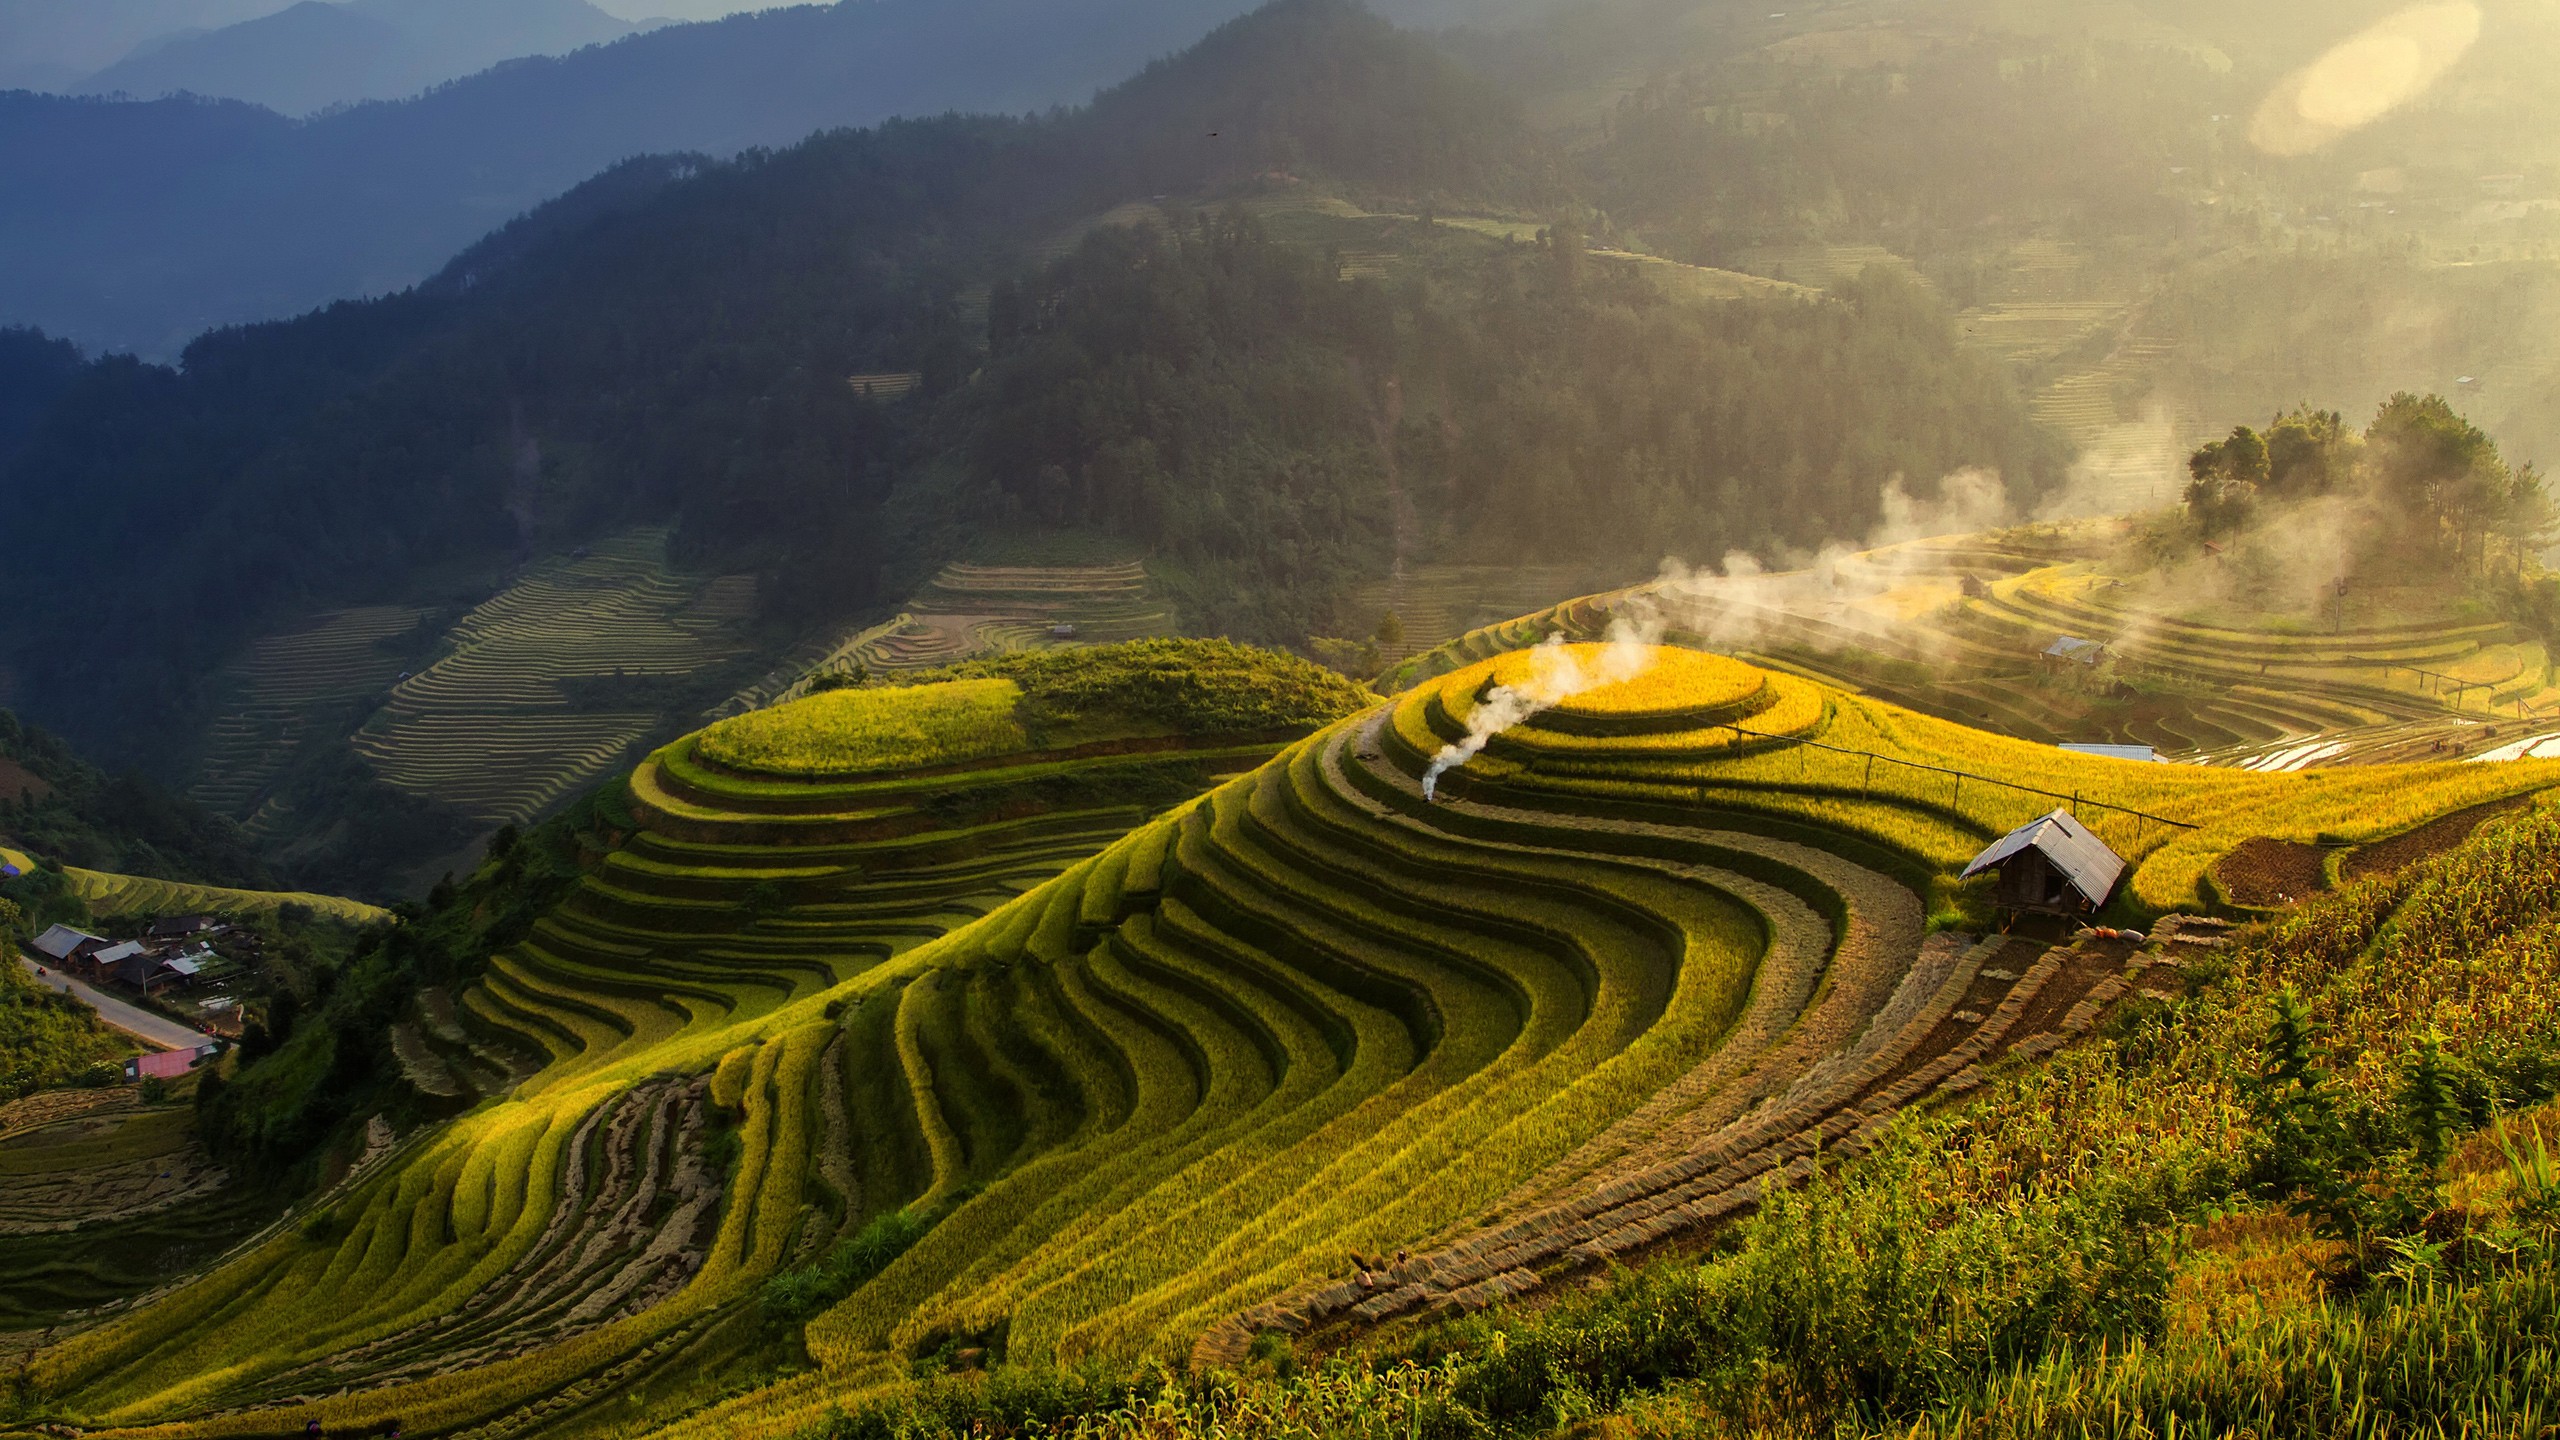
(1556, 674)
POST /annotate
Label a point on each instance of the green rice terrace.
(547, 687)
(1017, 1034)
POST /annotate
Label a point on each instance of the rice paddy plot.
(558, 679)
(1435, 604)
(972, 609)
(1822, 267)
(287, 687)
(2030, 332)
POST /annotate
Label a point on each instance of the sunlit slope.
(1650, 951)
(594, 1222)
(1957, 627)
(114, 895)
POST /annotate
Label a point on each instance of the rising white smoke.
(1556, 674)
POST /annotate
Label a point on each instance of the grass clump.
(856, 731)
(795, 1296)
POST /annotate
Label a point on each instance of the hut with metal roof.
(2051, 866)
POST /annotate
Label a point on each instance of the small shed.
(2072, 650)
(2051, 866)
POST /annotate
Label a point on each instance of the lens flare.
(2365, 77)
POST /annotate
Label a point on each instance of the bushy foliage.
(795, 1295)
(2431, 485)
(61, 807)
(45, 1038)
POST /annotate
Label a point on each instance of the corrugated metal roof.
(2083, 858)
(60, 941)
(118, 954)
(184, 965)
(2072, 647)
(2143, 753)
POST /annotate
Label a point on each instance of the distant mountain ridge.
(320, 53)
(46, 44)
(139, 226)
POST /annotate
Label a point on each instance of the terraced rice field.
(492, 727)
(1310, 1050)
(112, 895)
(1898, 625)
(287, 688)
(102, 1199)
(1436, 604)
(971, 610)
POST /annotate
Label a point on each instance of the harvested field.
(2264, 873)
(98, 1167)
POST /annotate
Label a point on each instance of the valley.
(1632, 969)
(1529, 720)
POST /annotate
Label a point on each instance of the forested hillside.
(65, 810)
(670, 344)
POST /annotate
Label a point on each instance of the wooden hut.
(2051, 866)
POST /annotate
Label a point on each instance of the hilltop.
(998, 1068)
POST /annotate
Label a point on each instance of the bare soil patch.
(2433, 838)
(17, 781)
(2083, 966)
(2264, 872)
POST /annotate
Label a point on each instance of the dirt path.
(158, 1032)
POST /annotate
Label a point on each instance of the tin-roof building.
(2051, 866)
(2072, 650)
(61, 944)
(2143, 753)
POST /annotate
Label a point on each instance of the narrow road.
(156, 1031)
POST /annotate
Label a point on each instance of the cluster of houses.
(177, 952)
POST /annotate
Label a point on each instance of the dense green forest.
(70, 812)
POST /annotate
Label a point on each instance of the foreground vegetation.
(46, 1039)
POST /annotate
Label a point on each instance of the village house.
(2051, 866)
(65, 946)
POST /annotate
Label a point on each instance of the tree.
(2227, 475)
(2441, 473)
(2309, 453)
(1390, 631)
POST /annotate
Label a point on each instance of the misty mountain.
(317, 54)
(668, 345)
(48, 44)
(139, 225)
